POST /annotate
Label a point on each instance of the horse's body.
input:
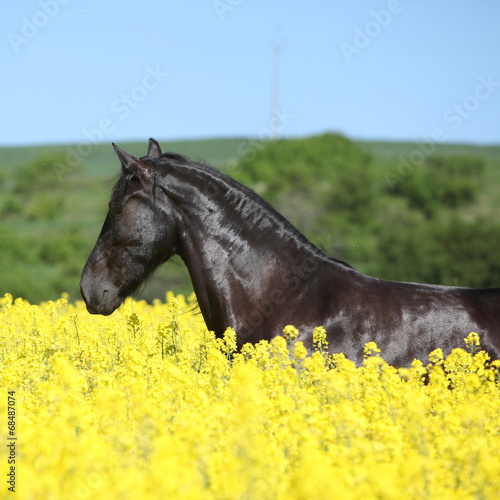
(252, 270)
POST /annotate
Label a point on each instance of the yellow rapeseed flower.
(290, 333)
(371, 349)
(147, 403)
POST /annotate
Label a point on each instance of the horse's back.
(409, 320)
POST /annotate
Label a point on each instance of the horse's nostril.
(91, 310)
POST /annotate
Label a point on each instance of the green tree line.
(437, 224)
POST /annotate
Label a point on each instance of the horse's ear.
(154, 149)
(129, 162)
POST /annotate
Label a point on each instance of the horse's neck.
(236, 247)
(233, 270)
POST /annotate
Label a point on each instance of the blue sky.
(103, 71)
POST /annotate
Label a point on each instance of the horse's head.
(137, 236)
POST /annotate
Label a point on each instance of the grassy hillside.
(100, 160)
(382, 206)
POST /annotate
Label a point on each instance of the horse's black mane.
(121, 183)
(176, 158)
(237, 187)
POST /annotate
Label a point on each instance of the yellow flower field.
(146, 404)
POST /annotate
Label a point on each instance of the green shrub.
(10, 206)
(39, 174)
(46, 207)
(302, 165)
(449, 182)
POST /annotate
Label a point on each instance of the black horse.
(252, 270)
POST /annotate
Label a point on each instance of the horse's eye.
(116, 210)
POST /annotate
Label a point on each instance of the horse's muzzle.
(99, 300)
